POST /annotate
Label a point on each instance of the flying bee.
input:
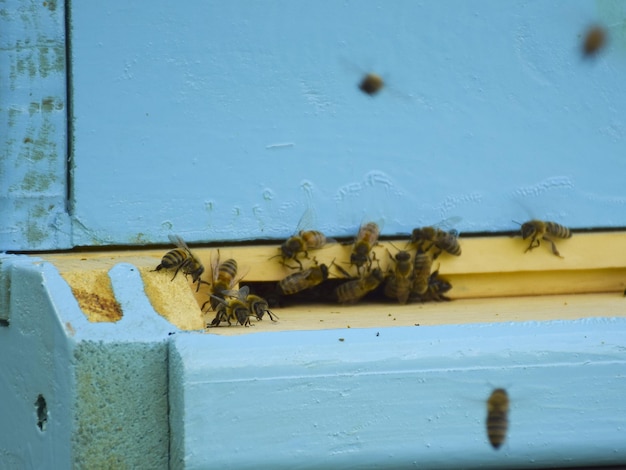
(371, 84)
(442, 240)
(422, 264)
(234, 308)
(302, 280)
(398, 283)
(497, 417)
(366, 239)
(538, 230)
(354, 290)
(595, 39)
(182, 259)
(258, 306)
(303, 240)
(436, 289)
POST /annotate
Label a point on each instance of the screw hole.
(42, 412)
(4, 322)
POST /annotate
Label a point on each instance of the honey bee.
(302, 280)
(302, 241)
(183, 259)
(354, 290)
(538, 230)
(258, 306)
(497, 417)
(366, 239)
(234, 308)
(398, 283)
(371, 84)
(224, 279)
(595, 39)
(436, 289)
(442, 240)
(422, 264)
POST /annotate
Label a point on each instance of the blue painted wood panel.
(227, 120)
(33, 126)
(399, 397)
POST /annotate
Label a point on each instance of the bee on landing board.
(302, 280)
(497, 417)
(182, 259)
(422, 265)
(538, 230)
(435, 291)
(354, 290)
(437, 238)
(224, 279)
(302, 242)
(399, 280)
(365, 240)
(258, 306)
(232, 307)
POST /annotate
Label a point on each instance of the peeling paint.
(37, 182)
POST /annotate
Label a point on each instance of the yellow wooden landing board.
(488, 280)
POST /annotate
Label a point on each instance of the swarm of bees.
(410, 279)
(230, 305)
(413, 274)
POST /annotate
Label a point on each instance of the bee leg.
(554, 250)
(436, 253)
(176, 272)
(200, 281)
(534, 243)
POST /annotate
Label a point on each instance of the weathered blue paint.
(226, 120)
(33, 126)
(399, 397)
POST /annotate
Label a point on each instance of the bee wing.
(240, 294)
(178, 241)
(307, 221)
(448, 225)
(215, 262)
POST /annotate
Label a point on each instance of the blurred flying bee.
(538, 230)
(258, 306)
(354, 290)
(233, 308)
(302, 280)
(428, 237)
(497, 417)
(371, 84)
(398, 283)
(422, 264)
(436, 289)
(224, 278)
(366, 239)
(302, 241)
(594, 40)
(182, 259)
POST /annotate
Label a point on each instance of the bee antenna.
(516, 222)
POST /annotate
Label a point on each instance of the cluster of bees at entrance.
(412, 275)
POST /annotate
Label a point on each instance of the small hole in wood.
(42, 412)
